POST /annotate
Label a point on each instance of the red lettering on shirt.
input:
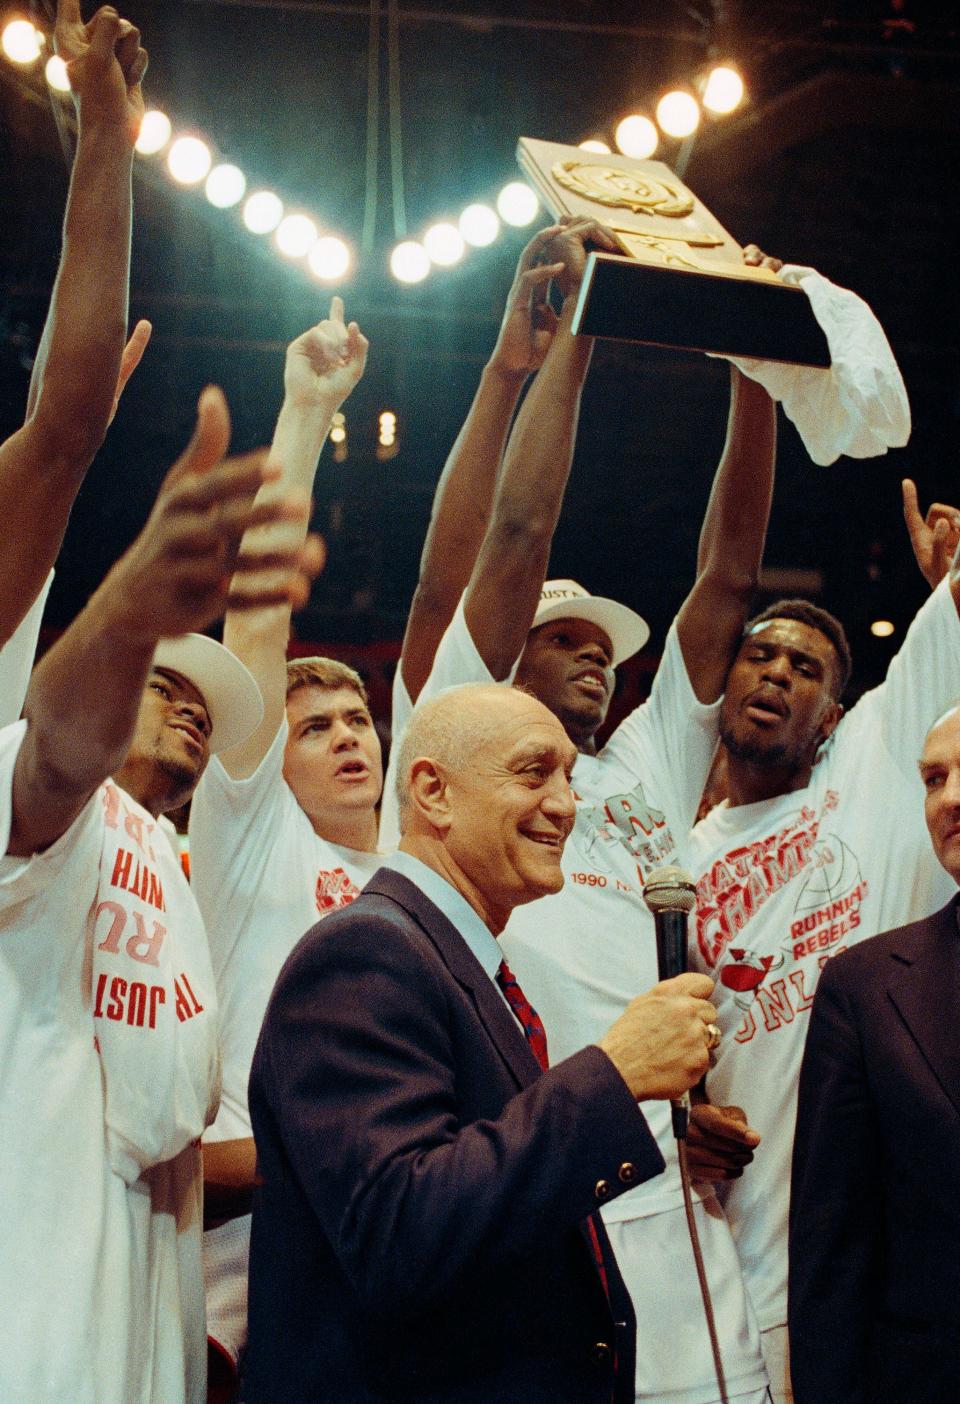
(334, 890)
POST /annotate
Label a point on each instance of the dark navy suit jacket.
(419, 1232)
(875, 1211)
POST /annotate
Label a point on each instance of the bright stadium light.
(595, 144)
(409, 262)
(262, 212)
(329, 258)
(636, 136)
(155, 132)
(226, 186)
(296, 235)
(189, 160)
(678, 113)
(517, 204)
(444, 244)
(56, 74)
(21, 42)
(723, 90)
(882, 628)
(479, 225)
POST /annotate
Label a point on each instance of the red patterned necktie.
(527, 1016)
(536, 1036)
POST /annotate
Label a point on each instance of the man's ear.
(830, 721)
(429, 791)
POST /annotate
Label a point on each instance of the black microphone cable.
(670, 895)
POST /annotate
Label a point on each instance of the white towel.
(859, 405)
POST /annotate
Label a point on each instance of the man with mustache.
(583, 953)
(819, 845)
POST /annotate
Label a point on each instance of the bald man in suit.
(425, 1227)
(875, 1213)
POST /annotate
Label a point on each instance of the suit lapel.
(497, 1018)
(927, 995)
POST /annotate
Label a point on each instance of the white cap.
(229, 689)
(565, 599)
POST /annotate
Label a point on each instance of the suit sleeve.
(358, 1067)
(835, 1206)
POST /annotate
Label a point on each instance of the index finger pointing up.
(336, 309)
(68, 12)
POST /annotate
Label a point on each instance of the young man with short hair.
(819, 845)
(283, 829)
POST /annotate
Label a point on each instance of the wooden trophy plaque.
(680, 281)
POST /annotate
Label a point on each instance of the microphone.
(671, 896)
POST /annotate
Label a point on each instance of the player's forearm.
(461, 516)
(95, 672)
(75, 373)
(735, 523)
(464, 495)
(297, 441)
(229, 1178)
(538, 457)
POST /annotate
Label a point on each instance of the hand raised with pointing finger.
(105, 65)
(934, 538)
(324, 364)
(659, 1043)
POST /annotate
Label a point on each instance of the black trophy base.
(630, 301)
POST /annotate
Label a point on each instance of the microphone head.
(670, 889)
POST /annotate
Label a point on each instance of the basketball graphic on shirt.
(834, 871)
(334, 890)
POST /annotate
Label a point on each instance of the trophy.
(680, 281)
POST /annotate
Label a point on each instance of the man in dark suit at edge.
(424, 1229)
(875, 1217)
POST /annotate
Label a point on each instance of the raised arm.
(76, 375)
(462, 502)
(322, 367)
(506, 581)
(934, 538)
(84, 697)
(712, 617)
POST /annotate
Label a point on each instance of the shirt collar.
(454, 906)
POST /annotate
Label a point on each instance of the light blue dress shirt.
(455, 908)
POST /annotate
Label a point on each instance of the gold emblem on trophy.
(683, 281)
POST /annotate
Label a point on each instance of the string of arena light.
(330, 258)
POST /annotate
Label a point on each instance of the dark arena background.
(377, 120)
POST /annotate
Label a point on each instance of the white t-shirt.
(262, 877)
(786, 883)
(100, 1269)
(16, 658)
(581, 955)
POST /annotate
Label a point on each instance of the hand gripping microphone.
(671, 896)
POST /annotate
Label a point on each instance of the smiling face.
(779, 704)
(566, 664)
(170, 746)
(510, 808)
(333, 762)
(940, 773)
